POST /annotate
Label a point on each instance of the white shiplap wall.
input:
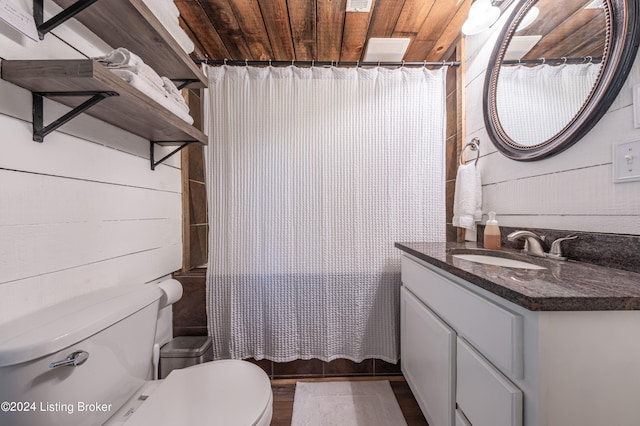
(82, 210)
(572, 190)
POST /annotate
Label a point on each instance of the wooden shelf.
(130, 24)
(132, 110)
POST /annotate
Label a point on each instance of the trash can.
(184, 351)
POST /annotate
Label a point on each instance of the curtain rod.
(585, 60)
(236, 62)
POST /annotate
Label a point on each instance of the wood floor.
(284, 390)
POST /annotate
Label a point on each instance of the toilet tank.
(114, 326)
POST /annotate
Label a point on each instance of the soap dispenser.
(492, 233)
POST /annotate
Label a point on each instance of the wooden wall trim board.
(460, 113)
(194, 205)
(337, 379)
(185, 200)
(81, 211)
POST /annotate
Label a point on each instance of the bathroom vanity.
(490, 345)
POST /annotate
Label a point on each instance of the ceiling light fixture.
(386, 49)
(482, 15)
(359, 5)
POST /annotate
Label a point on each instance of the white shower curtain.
(313, 174)
(535, 103)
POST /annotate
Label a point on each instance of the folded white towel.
(467, 201)
(175, 94)
(164, 7)
(182, 38)
(159, 95)
(123, 59)
(168, 15)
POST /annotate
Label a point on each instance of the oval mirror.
(555, 70)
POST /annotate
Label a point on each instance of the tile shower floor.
(284, 390)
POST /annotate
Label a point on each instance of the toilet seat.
(227, 392)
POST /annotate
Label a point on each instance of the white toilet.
(109, 334)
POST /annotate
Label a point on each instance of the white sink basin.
(498, 261)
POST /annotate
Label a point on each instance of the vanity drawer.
(495, 331)
(483, 394)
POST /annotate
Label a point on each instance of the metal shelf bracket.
(60, 18)
(40, 130)
(185, 82)
(152, 145)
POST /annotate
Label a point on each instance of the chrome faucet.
(534, 244)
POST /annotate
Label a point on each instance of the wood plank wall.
(570, 191)
(82, 210)
(453, 143)
(195, 231)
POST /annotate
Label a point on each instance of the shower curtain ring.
(269, 62)
(564, 58)
(225, 61)
(246, 62)
(590, 58)
(402, 65)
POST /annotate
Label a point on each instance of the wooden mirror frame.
(621, 47)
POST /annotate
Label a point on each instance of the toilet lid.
(228, 392)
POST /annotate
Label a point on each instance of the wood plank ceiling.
(319, 30)
(569, 28)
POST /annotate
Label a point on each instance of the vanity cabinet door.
(484, 395)
(428, 348)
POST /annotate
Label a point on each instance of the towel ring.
(474, 145)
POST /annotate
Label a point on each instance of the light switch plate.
(626, 162)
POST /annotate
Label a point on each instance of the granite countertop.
(562, 286)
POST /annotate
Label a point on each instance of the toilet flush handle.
(73, 360)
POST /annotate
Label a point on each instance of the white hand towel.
(467, 201)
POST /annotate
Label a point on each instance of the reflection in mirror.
(550, 67)
(555, 70)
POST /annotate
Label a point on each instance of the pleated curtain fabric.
(536, 103)
(313, 174)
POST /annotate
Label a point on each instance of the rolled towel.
(123, 59)
(467, 201)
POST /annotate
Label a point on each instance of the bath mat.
(346, 404)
